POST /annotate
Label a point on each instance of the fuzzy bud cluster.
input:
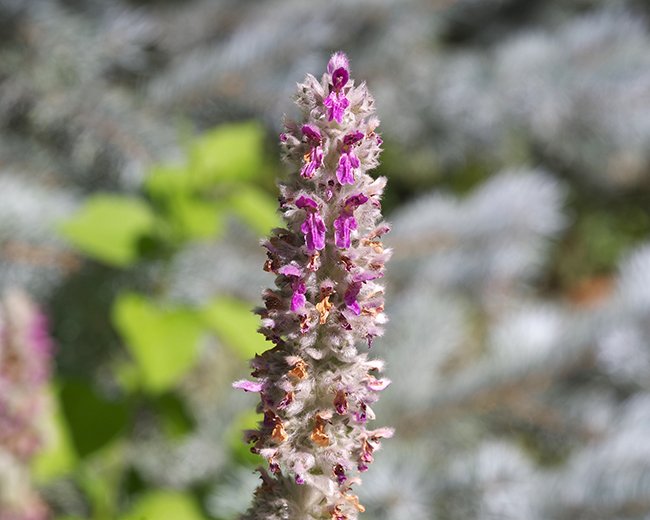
(25, 354)
(316, 389)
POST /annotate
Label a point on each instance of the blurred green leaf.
(194, 218)
(176, 419)
(93, 420)
(58, 457)
(163, 342)
(256, 208)
(230, 152)
(165, 505)
(164, 182)
(99, 478)
(247, 420)
(127, 375)
(234, 323)
(108, 227)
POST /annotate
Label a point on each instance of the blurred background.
(137, 165)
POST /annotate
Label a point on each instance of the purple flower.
(365, 276)
(298, 299)
(343, 225)
(312, 133)
(304, 202)
(339, 68)
(313, 226)
(339, 471)
(352, 138)
(361, 416)
(314, 158)
(290, 270)
(298, 286)
(345, 171)
(247, 386)
(350, 297)
(346, 222)
(348, 160)
(336, 101)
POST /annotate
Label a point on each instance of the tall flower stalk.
(316, 389)
(25, 356)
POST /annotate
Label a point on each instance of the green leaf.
(93, 420)
(175, 418)
(235, 325)
(194, 218)
(163, 342)
(230, 152)
(58, 457)
(108, 228)
(164, 181)
(165, 505)
(256, 208)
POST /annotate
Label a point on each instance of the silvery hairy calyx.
(316, 389)
(25, 357)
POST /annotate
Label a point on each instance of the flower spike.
(327, 301)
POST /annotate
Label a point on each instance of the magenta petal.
(298, 299)
(247, 386)
(343, 224)
(365, 276)
(350, 297)
(311, 132)
(315, 160)
(290, 270)
(304, 202)
(337, 61)
(314, 230)
(354, 201)
(352, 138)
(339, 78)
(344, 172)
(336, 103)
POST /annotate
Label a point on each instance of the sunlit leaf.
(108, 228)
(165, 181)
(256, 208)
(163, 342)
(234, 323)
(194, 218)
(165, 505)
(230, 152)
(57, 457)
